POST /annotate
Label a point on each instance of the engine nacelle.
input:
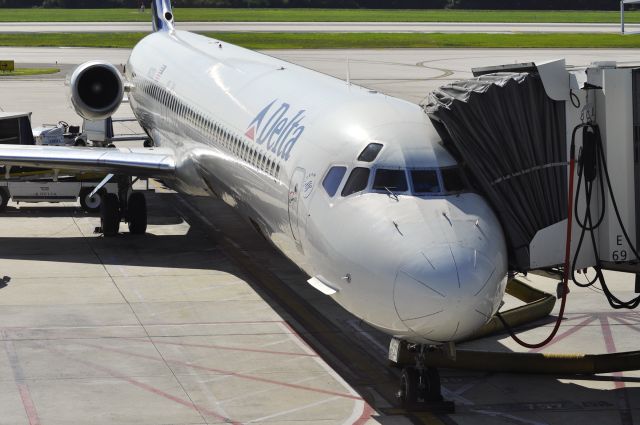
(97, 90)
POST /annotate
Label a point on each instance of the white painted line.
(297, 409)
(508, 416)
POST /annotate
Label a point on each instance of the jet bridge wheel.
(4, 198)
(137, 213)
(110, 215)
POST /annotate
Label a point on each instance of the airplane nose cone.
(445, 293)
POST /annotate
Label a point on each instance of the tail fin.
(162, 15)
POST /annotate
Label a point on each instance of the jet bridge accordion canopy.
(511, 138)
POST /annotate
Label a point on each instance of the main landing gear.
(420, 385)
(132, 206)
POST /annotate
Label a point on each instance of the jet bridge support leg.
(420, 385)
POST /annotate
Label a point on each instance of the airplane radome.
(351, 185)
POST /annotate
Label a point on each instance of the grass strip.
(319, 15)
(21, 72)
(341, 40)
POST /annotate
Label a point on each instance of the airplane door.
(295, 190)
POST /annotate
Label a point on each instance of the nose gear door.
(295, 192)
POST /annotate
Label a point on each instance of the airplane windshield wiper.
(391, 194)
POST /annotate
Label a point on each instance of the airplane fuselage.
(350, 184)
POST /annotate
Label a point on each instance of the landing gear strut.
(131, 206)
(420, 387)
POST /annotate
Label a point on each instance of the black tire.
(408, 393)
(79, 141)
(433, 390)
(110, 215)
(148, 143)
(4, 198)
(137, 213)
(92, 204)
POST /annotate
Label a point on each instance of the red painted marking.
(566, 334)
(297, 335)
(221, 347)
(146, 387)
(27, 402)
(251, 133)
(227, 372)
(623, 400)
(23, 388)
(237, 322)
(625, 323)
(366, 415)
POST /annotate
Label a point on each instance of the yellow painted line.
(427, 418)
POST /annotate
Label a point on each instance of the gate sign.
(7, 66)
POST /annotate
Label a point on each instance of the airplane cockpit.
(393, 180)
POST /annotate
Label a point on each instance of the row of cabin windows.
(233, 143)
(423, 182)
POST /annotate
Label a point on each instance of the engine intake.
(96, 90)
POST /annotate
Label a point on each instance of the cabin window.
(370, 152)
(425, 181)
(332, 181)
(357, 181)
(452, 179)
(393, 180)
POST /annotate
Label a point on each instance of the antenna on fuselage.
(348, 72)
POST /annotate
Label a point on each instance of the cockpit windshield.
(370, 152)
(357, 181)
(419, 182)
(452, 179)
(425, 181)
(393, 180)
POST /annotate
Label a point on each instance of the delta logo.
(277, 128)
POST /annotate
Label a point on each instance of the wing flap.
(131, 161)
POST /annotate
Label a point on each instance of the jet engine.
(97, 90)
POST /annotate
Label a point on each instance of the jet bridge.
(514, 128)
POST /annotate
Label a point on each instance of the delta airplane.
(350, 184)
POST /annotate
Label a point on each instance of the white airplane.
(350, 184)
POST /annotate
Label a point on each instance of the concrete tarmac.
(193, 323)
(328, 27)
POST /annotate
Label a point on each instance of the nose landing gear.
(420, 385)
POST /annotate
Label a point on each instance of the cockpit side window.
(333, 179)
(357, 181)
(452, 179)
(370, 152)
(425, 181)
(393, 180)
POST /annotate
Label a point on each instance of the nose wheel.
(420, 386)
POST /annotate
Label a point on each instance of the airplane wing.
(129, 161)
